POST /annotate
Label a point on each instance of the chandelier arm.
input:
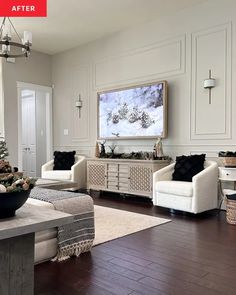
(3, 23)
(14, 55)
(14, 29)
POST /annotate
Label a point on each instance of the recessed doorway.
(34, 127)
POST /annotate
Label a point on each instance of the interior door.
(28, 133)
(34, 127)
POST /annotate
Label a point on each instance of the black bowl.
(10, 202)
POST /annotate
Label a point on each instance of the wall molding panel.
(212, 121)
(80, 125)
(163, 49)
(161, 59)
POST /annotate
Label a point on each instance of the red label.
(31, 8)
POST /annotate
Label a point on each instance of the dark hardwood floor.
(192, 255)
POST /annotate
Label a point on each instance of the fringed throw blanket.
(77, 237)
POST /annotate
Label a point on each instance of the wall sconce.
(208, 84)
(79, 104)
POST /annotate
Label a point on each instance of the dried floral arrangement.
(5, 167)
(14, 183)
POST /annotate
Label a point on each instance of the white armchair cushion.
(76, 174)
(174, 201)
(57, 174)
(197, 196)
(179, 188)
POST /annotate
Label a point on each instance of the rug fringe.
(75, 249)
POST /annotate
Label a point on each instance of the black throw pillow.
(63, 160)
(188, 166)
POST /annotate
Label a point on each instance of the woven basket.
(231, 211)
(229, 161)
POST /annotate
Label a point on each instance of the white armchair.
(197, 196)
(76, 174)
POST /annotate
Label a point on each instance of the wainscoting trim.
(180, 42)
(227, 134)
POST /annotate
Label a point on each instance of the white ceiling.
(71, 23)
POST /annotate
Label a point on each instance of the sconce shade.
(78, 103)
(209, 83)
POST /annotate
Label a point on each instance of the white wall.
(180, 48)
(37, 70)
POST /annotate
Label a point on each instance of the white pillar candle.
(5, 48)
(6, 32)
(23, 42)
(27, 37)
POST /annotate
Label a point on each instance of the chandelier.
(11, 48)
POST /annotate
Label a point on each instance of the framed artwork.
(133, 112)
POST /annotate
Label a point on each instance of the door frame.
(49, 138)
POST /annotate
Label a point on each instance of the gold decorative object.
(97, 152)
(158, 148)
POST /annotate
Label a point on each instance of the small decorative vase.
(10, 202)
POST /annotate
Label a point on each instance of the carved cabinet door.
(96, 175)
(140, 177)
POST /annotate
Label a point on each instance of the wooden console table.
(17, 246)
(123, 176)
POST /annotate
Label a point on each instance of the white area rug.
(112, 223)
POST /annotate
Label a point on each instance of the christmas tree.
(4, 165)
(3, 150)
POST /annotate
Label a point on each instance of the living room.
(83, 49)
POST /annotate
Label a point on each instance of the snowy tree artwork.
(133, 112)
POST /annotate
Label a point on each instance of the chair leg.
(177, 212)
